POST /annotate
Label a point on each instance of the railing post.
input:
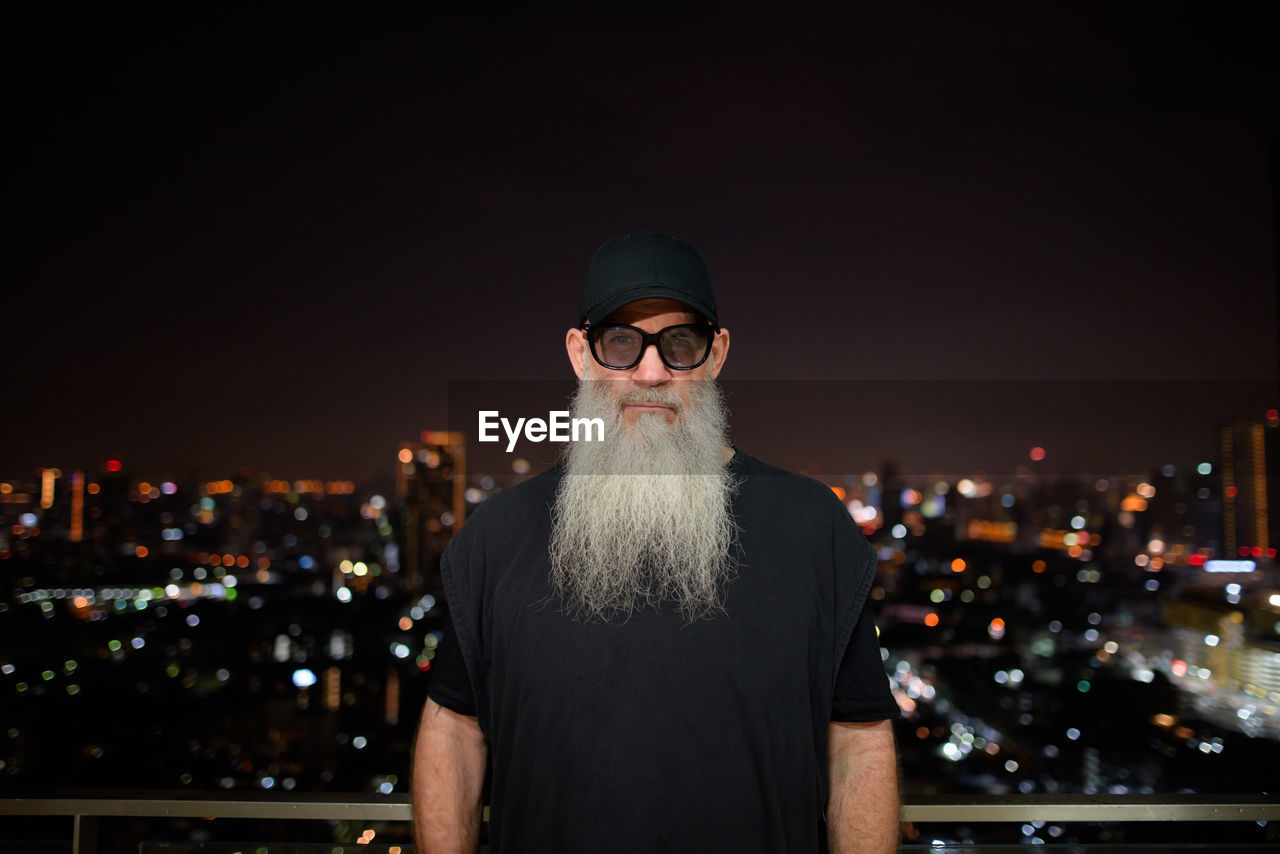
(84, 834)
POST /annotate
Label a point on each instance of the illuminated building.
(430, 484)
(1240, 649)
(1246, 502)
(77, 507)
(48, 477)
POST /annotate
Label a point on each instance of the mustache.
(650, 397)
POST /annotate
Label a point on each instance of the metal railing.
(85, 810)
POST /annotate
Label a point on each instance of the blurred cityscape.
(1042, 633)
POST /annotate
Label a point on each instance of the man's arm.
(863, 808)
(448, 773)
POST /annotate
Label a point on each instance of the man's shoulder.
(803, 507)
(781, 484)
(516, 505)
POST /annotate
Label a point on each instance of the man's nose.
(651, 370)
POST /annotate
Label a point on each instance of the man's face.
(650, 315)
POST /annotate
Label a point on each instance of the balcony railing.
(84, 812)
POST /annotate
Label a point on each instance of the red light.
(1196, 560)
(1256, 551)
(1037, 453)
(1230, 492)
(1244, 551)
(425, 436)
(113, 465)
(1270, 552)
(1273, 414)
(424, 666)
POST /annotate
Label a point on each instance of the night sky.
(273, 238)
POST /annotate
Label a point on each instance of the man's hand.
(863, 808)
(448, 773)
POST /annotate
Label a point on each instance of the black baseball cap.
(646, 265)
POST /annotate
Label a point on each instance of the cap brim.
(599, 312)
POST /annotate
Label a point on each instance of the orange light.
(957, 565)
(93, 488)
(215, 560)
(263, 563)
(922, 732)
(931, 619)
(1037, 567)
(47, 478)
(1075, 551)
(405, 455)
(141, 551)
(242, 562)
(1133, 503)
(405, 624)
(228, 560)
(839, 491)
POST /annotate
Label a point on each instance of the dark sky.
(272, 238)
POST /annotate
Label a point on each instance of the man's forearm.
(448, 773)
(863, 806)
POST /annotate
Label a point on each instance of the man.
(662, 644)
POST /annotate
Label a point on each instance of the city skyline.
(1041, 635)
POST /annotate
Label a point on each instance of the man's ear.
(719, 352)
(575, 342)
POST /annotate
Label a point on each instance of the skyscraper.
(430, 485)
(1247, 486)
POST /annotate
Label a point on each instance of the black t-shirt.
(657, 734)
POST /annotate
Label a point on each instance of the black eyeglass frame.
(648, 338)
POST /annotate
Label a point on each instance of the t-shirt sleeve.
(450, 685)
(862, 687)
(462, 680)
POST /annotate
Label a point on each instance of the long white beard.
(645, 516)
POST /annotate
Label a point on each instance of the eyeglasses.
(681, 348)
